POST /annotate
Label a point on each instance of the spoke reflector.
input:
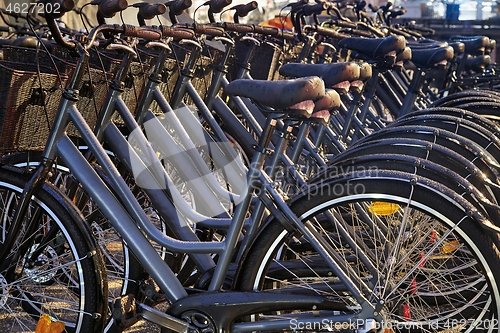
(46, 325)
(383, 208)
(449, 247)
(413, 287)
(406, 312)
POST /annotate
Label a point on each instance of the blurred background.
(449, 10)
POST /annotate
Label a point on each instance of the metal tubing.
(128, 199)
(241, 210)
(178, 157)
(121, 220)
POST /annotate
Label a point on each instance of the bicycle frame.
(119, 205)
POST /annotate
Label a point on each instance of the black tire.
(457, 253)
(123, 270)
(66, 280)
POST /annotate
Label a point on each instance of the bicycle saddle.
(458, 47)
(280, 95)
(322, 107)
(331, 74)
(404, 55)
(374, 48)
(365, 71)
(474, 45)
(492, 45)
(425, 58)
(478, 63)
(426, 44)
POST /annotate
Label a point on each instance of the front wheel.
(410, 248)
(54, 266)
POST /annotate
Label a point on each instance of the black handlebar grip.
(216, 6)
(108, 8)
(58, 7)
(314, 9)
(243, 10)
(176, 33)
(177, 7)
(263, 30)
(399, 12)
(148, 11)
(148, 33)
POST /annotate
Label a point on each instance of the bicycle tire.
(264, 267)
(66, 280)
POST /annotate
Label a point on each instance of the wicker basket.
(169, 75)
(264, 64)
(92, 89)
(29, 103)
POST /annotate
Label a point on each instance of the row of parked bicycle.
(242, 178)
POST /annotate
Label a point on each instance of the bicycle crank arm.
(127, 311)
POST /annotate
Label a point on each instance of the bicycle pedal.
(125, 311)
(151, 296)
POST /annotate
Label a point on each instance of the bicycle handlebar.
(311, 9)
(63, 6)
(236, 27)
(243, 10)
(327, 32)
(177, 7)
(149, 11)
(205, 29)
(176, 33)
(108, 8)
(216, 6)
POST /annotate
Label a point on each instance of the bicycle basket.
(29, 103)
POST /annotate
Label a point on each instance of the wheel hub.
(43, 262)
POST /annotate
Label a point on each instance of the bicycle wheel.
(54, 266)
(414, 247)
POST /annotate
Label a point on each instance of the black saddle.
(374, 48)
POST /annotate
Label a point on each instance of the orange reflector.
(449, 247)
(46, 325)
(383, 208)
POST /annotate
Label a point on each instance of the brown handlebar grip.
(286, 35)
(148, 33)
(237, 27)
(206, 29)
(176, 33)
(108, 8)
(263, 30)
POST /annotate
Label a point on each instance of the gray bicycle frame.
(120, 206)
